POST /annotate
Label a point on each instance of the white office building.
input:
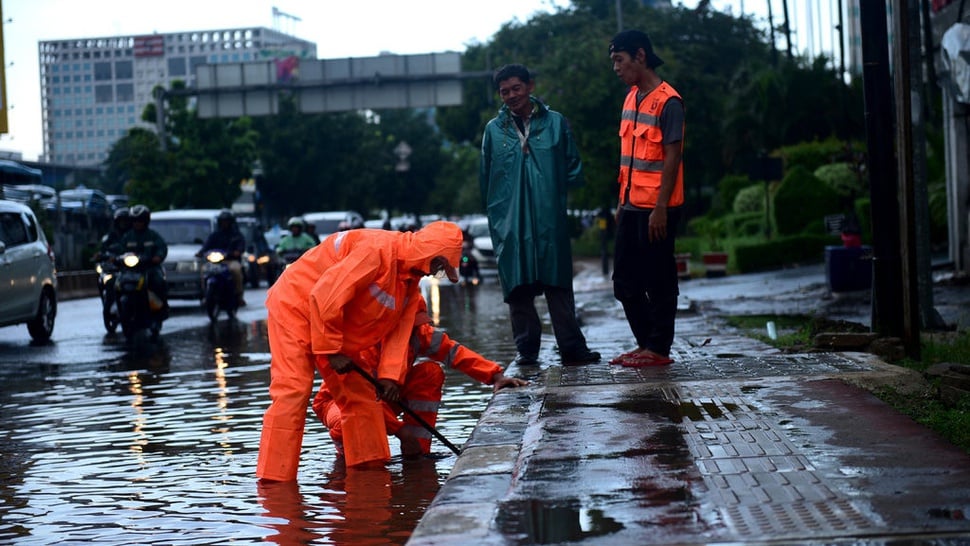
(94, 89)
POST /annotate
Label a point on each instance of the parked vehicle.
(85, 201)
(140, 311)
(116, 202)
(334, 221)
(44, 196)
(220, 290)
(108, 270)
(28, 278)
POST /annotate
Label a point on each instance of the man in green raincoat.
(529, 160)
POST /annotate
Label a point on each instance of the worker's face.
(440, 268)
(515, 94)
(627, 66)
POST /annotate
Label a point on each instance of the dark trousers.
(645, 279)
(527, 327)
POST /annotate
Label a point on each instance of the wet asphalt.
(735, 443)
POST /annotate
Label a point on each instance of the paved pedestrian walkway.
(734, 443)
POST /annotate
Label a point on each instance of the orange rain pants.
(421, 392)
(353, 291)
(422, 385)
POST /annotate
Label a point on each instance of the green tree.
(202, 165)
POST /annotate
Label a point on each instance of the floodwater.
(105, 445)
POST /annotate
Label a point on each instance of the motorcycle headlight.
(215, 257)
(131, 260)
(263, 260)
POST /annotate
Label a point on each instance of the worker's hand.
(500, 381)
(658, 224)
(389, 390)
(340, 363)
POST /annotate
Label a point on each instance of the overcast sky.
(340, 29)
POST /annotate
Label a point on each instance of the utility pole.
(841, 28)
(887, 313)
(771, 28)
(917, 195)
(784, 7)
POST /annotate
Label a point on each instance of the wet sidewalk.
(735, 442)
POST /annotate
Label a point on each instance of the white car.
(482, 251)
(28, 278)
(184, 232)
(333, 221)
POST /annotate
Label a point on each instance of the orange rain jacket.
(422, 385)
(354, 290)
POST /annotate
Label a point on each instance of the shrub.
(782, 252)
(812, 155)
(842, 178)
(727, 190)
(750, 199)
(747, 224)
(802, 199)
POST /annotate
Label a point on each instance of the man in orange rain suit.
(354, 290)
(422, 385)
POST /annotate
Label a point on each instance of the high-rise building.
(93, 90)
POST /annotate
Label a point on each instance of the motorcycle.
(290, 256)
(107, 271)
(262, 264)
(139, 309)
(220, 290)
(468, 269)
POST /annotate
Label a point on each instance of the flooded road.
(110, 445)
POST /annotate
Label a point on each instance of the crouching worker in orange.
(356, 289)
(422, 385)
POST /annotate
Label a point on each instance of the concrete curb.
(76, 284)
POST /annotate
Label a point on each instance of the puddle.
(542, 522)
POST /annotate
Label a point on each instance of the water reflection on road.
(111, 446)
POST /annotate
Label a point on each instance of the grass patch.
(952, 422)
(795, 332)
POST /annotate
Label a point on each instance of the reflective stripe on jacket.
(642, 149)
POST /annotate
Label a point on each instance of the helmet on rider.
(225, 219)
(141, 213)
(295, 222)
(122, 219)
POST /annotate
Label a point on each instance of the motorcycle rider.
(296, 242)
(111, 242)
(111, 247)
(151, 249)
(230, 240)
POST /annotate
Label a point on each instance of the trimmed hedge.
(782, 252)
(801, 200)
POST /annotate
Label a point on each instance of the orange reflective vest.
(642, 149)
